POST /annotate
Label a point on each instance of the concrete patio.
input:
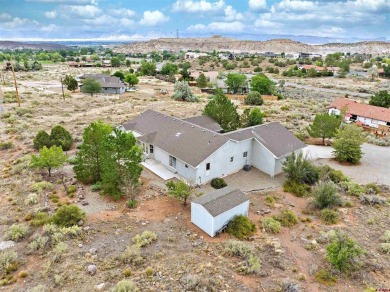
(159, 169)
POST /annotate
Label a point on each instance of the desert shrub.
(287, 218)
(125, 286)
(351, 188)
(329, 216)
(40, 218)
(296, 188)
(96, 187)
(149, 271)
(146, 238)
(127, 273)
(253, 98)
(67, 216)
(39, 243)
(343, 253)
(218, 183)
(60, 137)
(182, 92)
(384, 248)
(251, 263)
(71, 189)
(6, 145)
(386, 236)
(241, 227)
(291, 286)
(16, 232)
(42, 186)
(372, 188)
(42, 139)
(39, 288)
(22, 274)
(299, 169)
(323, 276)
(270, 201)
(335, 176)
(326, 196)
(8, 262)
(373, 200)
(31, 199)
(271, 225)
(132, 255)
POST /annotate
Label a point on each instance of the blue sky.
(145, 19)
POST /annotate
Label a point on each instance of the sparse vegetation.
(271, 225)
(218, 183)
(241, 227)
(146, 238)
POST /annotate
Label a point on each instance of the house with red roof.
(361, 113)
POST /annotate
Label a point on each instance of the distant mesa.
(10, 45)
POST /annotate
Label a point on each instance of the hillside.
(9, 45)
(234, 45)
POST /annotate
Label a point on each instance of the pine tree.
(201, 81)
(42, 139)
(61, 137)
(324, 126)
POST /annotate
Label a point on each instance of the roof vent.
(192, 126)
(202, 130)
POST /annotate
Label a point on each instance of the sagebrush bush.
(132, 255)
(384, 248)
(329, 216)
(300, 170)
(42, 186)
(8, 262)
(31, 199)
(218, 183)
(373, 200)
(323, 276)
(253, 98)
(287, 218)
(251, 262)
(335, 176)
(125, 286)
(68, 215)
(326, 196)
(16, 232)
(271, 225)
(386, 236)
(40, 218)
(241, 227)
(146, 238)
(296, 188)
(372, 188)
(351, 188)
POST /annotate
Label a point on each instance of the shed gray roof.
(205, 122)
(222, 200)
(181, 139)
(273, 136)
(105, 80)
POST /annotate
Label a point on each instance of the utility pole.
(2, 75)
(16, 85)
(62, 86)
(177, 33)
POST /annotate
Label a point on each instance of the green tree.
(131, 79)
(91, 86)
(169, 69)
(343, 253)
(70, 82)
(180, 190)
(381, 98)
(262, 84)
(61, 137)
(241, 227)
(120, 75)
(49, 158)
(300, 170)
(324, 126)
(347, 144)
(223, 111)
(255, 117)
(234, 81)
(121, 166)
(88, 161)
(42, 139)
(312, 72)
(148, 68)
(115, 62)
(182, 91)
(201, 81)
(253, 98)
(67, 216)
(326, 196)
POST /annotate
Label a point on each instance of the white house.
(198, 152)
(193, 55)
(213, 211)
(110, 84)
(364, 114)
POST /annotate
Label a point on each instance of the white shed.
(212, 211)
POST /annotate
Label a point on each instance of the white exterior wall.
(202, 218)
(366, 121)
(262, 159)
(220, 164)
(224, 218)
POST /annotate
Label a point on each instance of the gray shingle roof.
(205, 122)
(185, 141)
(273, 136)
(222, 200)
(105, 80)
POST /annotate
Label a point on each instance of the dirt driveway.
(374, 166)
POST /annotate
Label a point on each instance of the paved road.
(374, 165)
(338, 91)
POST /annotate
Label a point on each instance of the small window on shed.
(245, 154)
(208, 166)
(231, 159)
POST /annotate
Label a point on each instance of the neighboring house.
(319, 69)
(205, 122)
(110, 84)
(213, 211)
(193, 55)
(364, 114)
(198, 154)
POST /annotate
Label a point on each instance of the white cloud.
(190, 6)
(19, 23)
(231, 14)
(101, 20)
(152, 18)
(257, 5)
(51, 14)
(127, 13)
(86, 11)
(5, 17)
(126, 22)
(79, 2)
(235, 26)
(49, 28)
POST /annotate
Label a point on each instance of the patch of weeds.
(351, 188)
(6, 145)
(287, 218)
(146, 238)
(270, 201)
(271, 225)
(251, 263)
(372, 188)
(16, 232)
(325, 277)
(31, 199)
(132, 255)
(329, 216)
(127, 273)
(42, 186)
(125, 286)
(373, 200)
(96, 187)
(298, 189)
(8, 262)
(149, 271)
(40, 218)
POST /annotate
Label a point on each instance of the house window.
(208, 166)
(245, 154)
(172, 161)
(231, 159)
(186, 165)
(151, 149)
